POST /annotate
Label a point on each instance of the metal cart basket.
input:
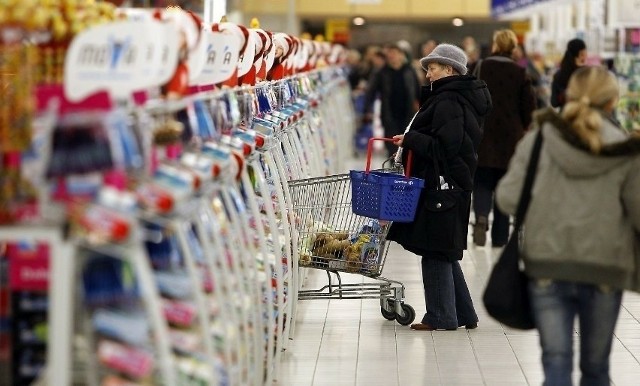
(334, 239)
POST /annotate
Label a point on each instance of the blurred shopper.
(354, 63)
(513, 103)
(378, 60)
(425, 49)
(574, 57)
(428, 46)
(396, 85)
(520, 56)
(453, 109)
(362, 67)
(579, 231)
(472, 49)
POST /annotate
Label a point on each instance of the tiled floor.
(348, 342)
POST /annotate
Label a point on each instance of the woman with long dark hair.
(574, 57)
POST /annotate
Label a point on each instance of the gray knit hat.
(447, 54)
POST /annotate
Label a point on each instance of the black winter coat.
(453, 112)
(380, 85)
(513, 100)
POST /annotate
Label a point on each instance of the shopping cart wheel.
(408, 315)
(389, 315)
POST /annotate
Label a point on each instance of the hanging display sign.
(503, 7)
(198, 56)
(246, 61)
(627, 12)
(120, 58)
(221, 58)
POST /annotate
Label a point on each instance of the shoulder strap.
(525, 196)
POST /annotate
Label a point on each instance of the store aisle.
(347, 342)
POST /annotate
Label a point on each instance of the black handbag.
(506, 296)
(446, 211)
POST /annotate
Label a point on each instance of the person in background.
(354, 63)
(378, 60)
(451, 115)
(513, 103)
(396, 85)
(406, 47)
(580, 229)
(425, 49)
(574, 58)
(522, 59)
(428, 46)
(472, 49)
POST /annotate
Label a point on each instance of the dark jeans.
(555, 305)
(484, 187)
(446, 295)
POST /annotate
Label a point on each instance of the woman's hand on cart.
(397, 139)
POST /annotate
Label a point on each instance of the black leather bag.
(445, 218)
(506, 296)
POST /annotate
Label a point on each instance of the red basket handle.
(407, 172)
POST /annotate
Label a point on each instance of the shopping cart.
(334, 239)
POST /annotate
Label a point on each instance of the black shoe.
(428, 327)
(480, 231)
(471, 326)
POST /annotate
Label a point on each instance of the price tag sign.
(246, 62)
(198, 56)
(221, 58)
(120, 58)
(162, 53)
(270, 57)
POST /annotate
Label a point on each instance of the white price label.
(120, 58)
(221, 58)
(246, 62)
(198, 57)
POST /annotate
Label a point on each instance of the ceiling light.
(457, 22)
(359, 20)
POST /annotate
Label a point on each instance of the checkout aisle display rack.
(203, 293)
(204, 236)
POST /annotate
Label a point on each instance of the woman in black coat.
(513, 99)
(452, 113)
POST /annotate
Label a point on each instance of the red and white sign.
(28, 266)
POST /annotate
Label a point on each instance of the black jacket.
(513, 102)
(452, 113)
(380, 85)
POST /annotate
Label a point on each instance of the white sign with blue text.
(120, 58)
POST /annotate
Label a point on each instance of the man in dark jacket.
(451, 118)
(396, 84)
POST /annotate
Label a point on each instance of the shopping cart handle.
(407, 171)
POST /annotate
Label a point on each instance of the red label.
(28, 266)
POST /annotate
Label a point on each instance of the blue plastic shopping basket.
(385, 195)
